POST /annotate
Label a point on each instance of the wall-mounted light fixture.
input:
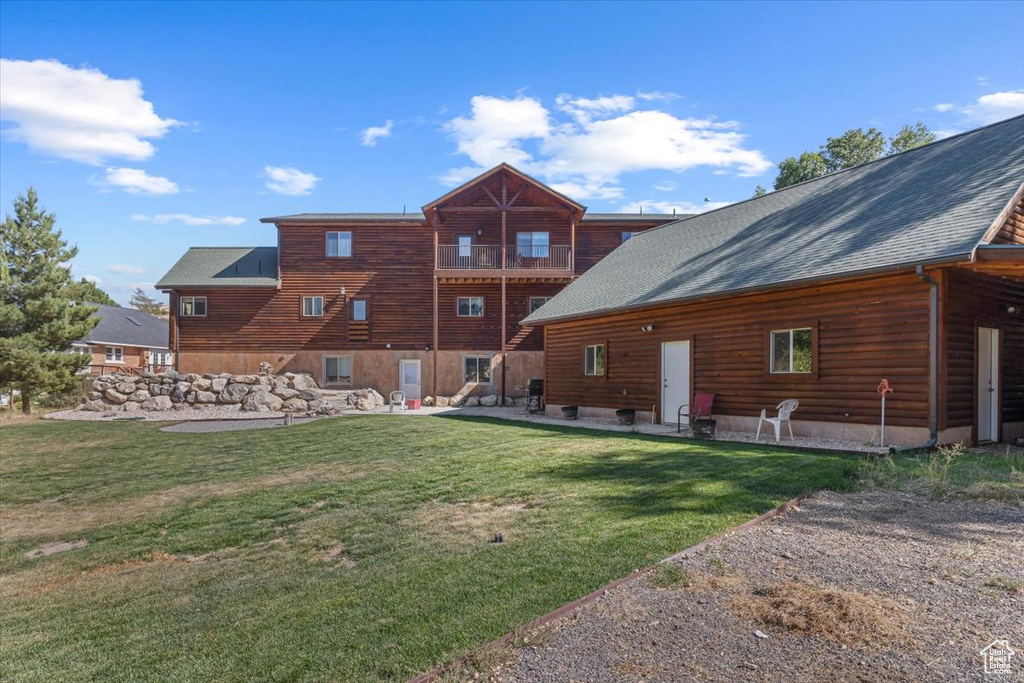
(646, 328)
(1012, 310)
(343, 290)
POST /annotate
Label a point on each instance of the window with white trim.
(470, 307)
(538, 301)
(593, 360)
(532, 244)
(465, 243)
(312, 306)
(337, 369)
(792, 351)
(477, 369)
(339, 244)
(159, 358)
(115, 354)
(360, 310)
(192, 306)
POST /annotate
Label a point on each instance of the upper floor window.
(628, 235)
(538, 301)
(792, 351)
(192, 306)
(360, 310)
(470, 307)
(532, 244)
(312, 306)
(339, 244)
(593, 360)
(115, 354)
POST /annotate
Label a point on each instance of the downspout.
(933, 365)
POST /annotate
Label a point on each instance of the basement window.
(192, 306)
(792, 351)
(312, 306)
(477, 369)
(593, 360)
(337, 369)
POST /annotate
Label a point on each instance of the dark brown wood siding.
(597, 239)
(979, 301)
(1012, 231)
(866, 331)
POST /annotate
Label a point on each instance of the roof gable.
(931, 204)
(127, 327)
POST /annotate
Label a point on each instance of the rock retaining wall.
(287, 393)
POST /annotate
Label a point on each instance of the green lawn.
(346, 549)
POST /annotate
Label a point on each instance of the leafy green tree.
(38, 320)
(793, 170)
(141, 302)
(853, 148)
(910, 137)
(86, 292)
(760, 191)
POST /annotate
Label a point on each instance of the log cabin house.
(428, 303)
(125, 341)
(909, 268)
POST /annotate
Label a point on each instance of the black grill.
(535, 395)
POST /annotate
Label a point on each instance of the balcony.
(521, 262)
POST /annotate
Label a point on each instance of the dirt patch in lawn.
(61, 516)
(871, 586)
(48, 549)
(474, 522)
(334, 555)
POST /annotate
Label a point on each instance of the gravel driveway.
(942, 580)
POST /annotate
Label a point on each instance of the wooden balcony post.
(434, 347)
(572, 243)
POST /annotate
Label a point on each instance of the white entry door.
(988, 384)
(409, 378)
(675, 379)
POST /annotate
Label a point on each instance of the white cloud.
(289, 181)
(666, 186)
(188, 219)
(600, 139)
(123, 269)
(137, 181)
(996, 107)
(944, 107)
(79, 114)
(657, 95)
(653, 206)
(374, 133)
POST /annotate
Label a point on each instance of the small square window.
(339, 244)
(791, 351)
(593, 360)
(532, 244)
(360, 310)
(312, 306)
(477, 369)
(628, 235)
(115, 354)
(470, 307)
(192, 306)
(337, 369)
(538, 301)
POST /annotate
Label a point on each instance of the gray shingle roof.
(927, 205)
(416, 217)
(223, 267)
(626, 217)
(127, 327)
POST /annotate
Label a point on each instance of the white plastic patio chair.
(397, 398)
(785, 409)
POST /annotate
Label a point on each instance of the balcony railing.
(488, 257)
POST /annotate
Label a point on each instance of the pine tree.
(38, 320)
(86, 292)
(141, 302)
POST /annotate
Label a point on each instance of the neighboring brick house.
(427, 302)
(125, 341)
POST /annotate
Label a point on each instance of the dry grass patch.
(854, 619)
(48, 549)
(334, 554)
(470, 523)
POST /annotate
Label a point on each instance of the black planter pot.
(626, 416)
(703, 428)
(570, 412)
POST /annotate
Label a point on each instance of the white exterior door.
(988, 384)
(675, 379)
(409, 378)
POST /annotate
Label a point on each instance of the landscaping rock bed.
(260, 393)
(874, 586)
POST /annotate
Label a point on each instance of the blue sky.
(151, 127)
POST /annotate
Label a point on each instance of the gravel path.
(953, 568)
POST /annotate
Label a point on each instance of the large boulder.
(261, 402)
(159, 402)
(125, 387)
(234, 393)
(115, 397)
(96, 406)
(285, 393)
(261, 387)
(177, 396)
(294, 405)
(310, 394)
(428, 401)
(100, 385)
(202, 384)
(488, 401)
(456, 400)
(364, 404)
(442, 401)
(301, 382)
(472, 401)
(192, 377)
(155, 388)
(244, 379)
(206, 397)
(94, 395)
(139, 395)
(217, 385)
